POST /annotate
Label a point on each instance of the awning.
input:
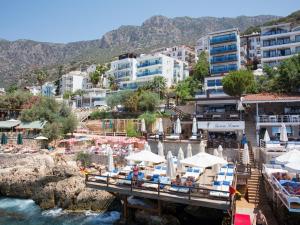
(9, 124)
(35, 125)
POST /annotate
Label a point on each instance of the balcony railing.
(278, 119)
(225, 69)
(224, 59)
(224, 38)
(280, 43)
(234, 116)
(278, 54)
(148, 73)
(274, 32)
(223, 49)
(149, 64)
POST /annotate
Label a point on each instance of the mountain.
(293, 18)
(19, 58)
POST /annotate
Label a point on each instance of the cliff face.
(19, 58)
(49, 184)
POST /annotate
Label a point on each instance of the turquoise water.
(26, 212)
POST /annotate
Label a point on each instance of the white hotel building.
(279, 42)
(132, 73)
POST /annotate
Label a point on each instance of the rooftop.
(271, 97)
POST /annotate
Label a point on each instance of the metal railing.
(235, 116)
(157, 188)
(278, 118)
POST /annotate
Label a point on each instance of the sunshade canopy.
(34, 125)
(9, 124)
(203, 160)
(145, 156)
(291, 156)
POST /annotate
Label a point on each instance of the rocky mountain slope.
(19, 58)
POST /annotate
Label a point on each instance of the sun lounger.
(126, 169)
(173, 137)
(193, 172)
(220, 186)
(113, 173)
(229, 177)
(221, 176)
(223, 169)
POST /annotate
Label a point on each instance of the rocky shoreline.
(50, 184)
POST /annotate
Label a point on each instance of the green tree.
(131, 102)
(201, 68)
(183, 91)
(287, 78)
(41, 77)
(131, 131)
(12, 88)
(52, 131)
(149, 117)
(98, 75)
(69, 124)
(113, 84)
(239, 82)
(148, 101)
(68, 95)
(84, 158)
(159, 85)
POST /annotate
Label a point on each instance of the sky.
(65, 21)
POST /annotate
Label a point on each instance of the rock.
(48, 184)
(145, 218)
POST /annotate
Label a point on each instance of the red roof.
(271, 97)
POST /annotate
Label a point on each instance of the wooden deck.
(194, 196)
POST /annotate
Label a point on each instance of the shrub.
(84, 158)
(131, 130)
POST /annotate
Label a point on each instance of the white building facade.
(201, 45)
(279, 42)
(144, 68)
(72, 81)
(181, 52)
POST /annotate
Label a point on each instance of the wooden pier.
(196, 196)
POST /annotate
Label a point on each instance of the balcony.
(223, 38)
(278, 118)
(145, 64)
(223, 49)
(223, 59)
(224, 69)
(215, 116)
(274, 32)
(121, 67)
(280, 42)
(280, 54)
(148, 73)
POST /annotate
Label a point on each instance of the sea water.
(25, 212)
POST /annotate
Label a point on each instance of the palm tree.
(98, 75)
(41, 77)
(113, 84)
(159, 85)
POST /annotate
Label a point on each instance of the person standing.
(135, 173)
(260, 219)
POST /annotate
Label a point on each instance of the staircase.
(253, 186)
(250, 130)
(178, 112)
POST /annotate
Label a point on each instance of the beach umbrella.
(202, 147)
(240, 106)
(145, 156)
(289, 157)
(3, 139)
(110, 159)
(194, 128)
(220, 151)
(283, 133)
(216, 153)
(178, 126)
(143, 126)
(130, 151)
(203, 160)
(160, 148)
(180, 157)
(293, 167)
(160, 128)
(267, 136)
(246, 158)
(189, 152)
(19, 139)
(170, 166)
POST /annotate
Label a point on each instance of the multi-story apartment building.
(124, 69)
(279, 42)
(146, 67)
(224, 56)
(201, 45)
(251, 44)
(72, 81)
(181, 52)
